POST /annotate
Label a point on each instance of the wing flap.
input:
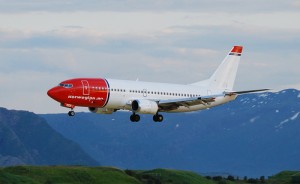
(244, 92)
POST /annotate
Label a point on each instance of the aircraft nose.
(52, 93)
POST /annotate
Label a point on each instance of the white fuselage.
(123, 92)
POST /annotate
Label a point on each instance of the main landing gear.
(136, 118)
(158, 118)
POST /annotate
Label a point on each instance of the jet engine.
(144, 106)
(101, 110)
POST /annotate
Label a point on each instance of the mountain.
(26, 138)
(257, 134)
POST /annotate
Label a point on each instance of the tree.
(262, 179)
(217, 178)
(208, 177)
(252, 180)
(230, 178)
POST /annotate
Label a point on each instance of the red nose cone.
(52, 93)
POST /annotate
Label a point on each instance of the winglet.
(236, 50)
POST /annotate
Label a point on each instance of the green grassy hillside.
(103, 175)
(168, 176)
(285, 177)
(109, 175)
(64, 174)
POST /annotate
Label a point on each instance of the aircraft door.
(86, 87)
(145, 92)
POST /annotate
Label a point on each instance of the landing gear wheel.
(135, 118)
(71, 113)
(158, 118)
(132, 118)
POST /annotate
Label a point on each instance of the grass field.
(110, 175)
(64, 174)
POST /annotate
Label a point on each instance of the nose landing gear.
(70, 106)
(71, 113)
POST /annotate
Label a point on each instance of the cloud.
(78, 51)
(296, 3)
(146, 5)
(198, 39)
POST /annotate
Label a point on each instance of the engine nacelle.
(101, 110)
(144, 106)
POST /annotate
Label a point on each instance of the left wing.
(244, 92)
(173, 104)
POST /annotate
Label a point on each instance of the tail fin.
(224, 76)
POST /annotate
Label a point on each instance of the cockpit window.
(66, 85)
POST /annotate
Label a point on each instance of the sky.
(43, 42)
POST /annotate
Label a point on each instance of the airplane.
(105, 96)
